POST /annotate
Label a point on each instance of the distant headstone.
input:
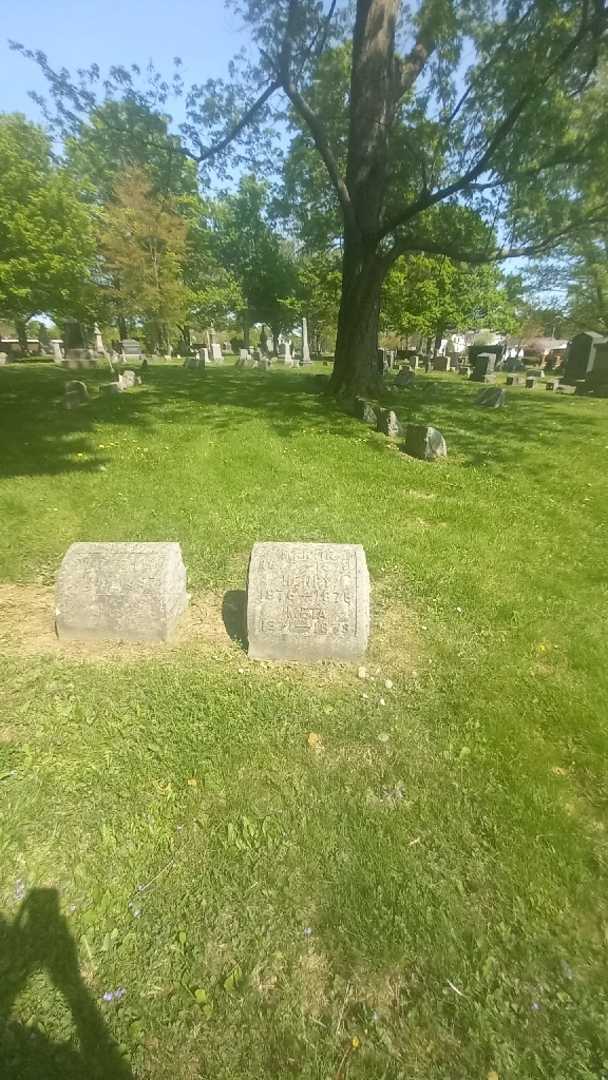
(305, 348)
(364, 411)
(531, 382)
(307, 602)
(131, 349)
(99, 345)
(57, 353)
(284, 354)
(243, 358)
(552, 384)
(194, 362)
(203, 355)
(492, 398)
(107, 389)
(424, 442)
(405, 378)
(3, 359)
(264, 363)
(389, 423)
(516, 380)
(484, 368)
(120, 592)
(127, 379)
(75, 394)
(216, 353)
(564, 388)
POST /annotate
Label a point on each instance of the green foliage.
(47, 232)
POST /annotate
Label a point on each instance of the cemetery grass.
(279, 871)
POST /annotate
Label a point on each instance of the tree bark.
(21, 328)
(363, 267)
(356, 357)
(122, 328)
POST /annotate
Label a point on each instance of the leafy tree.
(257, 256)
(429, 294)
(513, 136)
(47, 233)
(143, 246)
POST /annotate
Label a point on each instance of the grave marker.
(307, 602)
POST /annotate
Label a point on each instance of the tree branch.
(428, 199)
(209, 151)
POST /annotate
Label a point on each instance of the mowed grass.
(418, 891)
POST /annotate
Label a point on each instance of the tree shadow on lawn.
(39, 940)
(38, 436)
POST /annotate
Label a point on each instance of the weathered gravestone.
(492, 398)
(107, 389)
(565, 388)
(127, 379)
(424, 442)
(194, 363)
(3, 359)
(552, 384)
(531, 382)
(131, 348)
(405, 378)
(307, 602)
(484, 368)
(75, 394)
(284, 354)
(516, 380)
(364, 411)
(216, 353)
(306, 360)
(120, 592)
(389, 423)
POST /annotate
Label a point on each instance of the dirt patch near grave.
(214, 624)
(27, 627)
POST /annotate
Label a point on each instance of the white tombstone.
(284, 353)
(203, 355)
(57, 353)
(305, 349)
(307, 602)
(99, 345)
(216, 353)
(120, 592)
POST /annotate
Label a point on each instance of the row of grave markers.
(305, 601)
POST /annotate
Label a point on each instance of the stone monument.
(120, 592)
(492, 398)
(424, 442)
(216, 353)
(305, 349)
(57, 353)
(389, 423)
(307, 602)
(484, 368)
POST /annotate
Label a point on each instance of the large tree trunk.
(21, 328)
(372, 108)
(356, 357)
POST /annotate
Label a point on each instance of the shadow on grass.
(39, 940)
(39, 437)
(234, 615)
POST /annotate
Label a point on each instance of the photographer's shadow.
(39, 939)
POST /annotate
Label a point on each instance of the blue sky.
(74, 33)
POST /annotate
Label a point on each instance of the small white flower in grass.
(383, 737)
(382, 701)
(307, 931)
(388, 684)
(19, 889)
(362, 673)
(459, 610)
(365, 696)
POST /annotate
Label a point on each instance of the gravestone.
(3, 359)
(284, 354)
(405, 378)
(243, 357)
(424, 442)
(307, 602)
(531, 382)
(389, 423)
(484, 368)
(120, 592)
(194, 363)
(203, 355)
(564, 388)
(552, 384)
(364, 411)
(57, 353)
(127, 379)
(107, 389)
(99, 345)
(516, 380)
(492, 398)
(75, 394)
(305, 361)
(131, 349)
(216, 353)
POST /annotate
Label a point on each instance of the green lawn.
(420, 893)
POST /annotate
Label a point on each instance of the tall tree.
(47, 233)
(143, 246)
(510, 135)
